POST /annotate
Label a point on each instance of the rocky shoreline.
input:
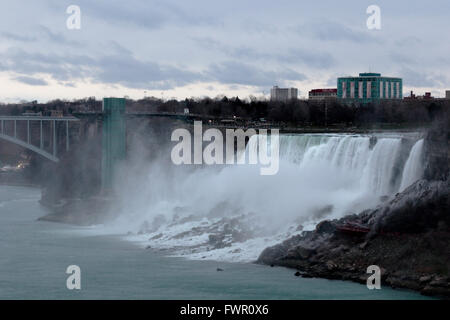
(408, 237)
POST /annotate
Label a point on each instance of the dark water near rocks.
(34, 256)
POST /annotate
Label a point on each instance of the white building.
(283, 94)
(322, 94)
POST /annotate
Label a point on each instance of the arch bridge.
(19, 130)
(43, 134)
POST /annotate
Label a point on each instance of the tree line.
(296, 112)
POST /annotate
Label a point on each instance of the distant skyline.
(174, 48)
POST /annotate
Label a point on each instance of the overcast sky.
(184, 48)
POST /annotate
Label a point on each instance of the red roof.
(323, 90)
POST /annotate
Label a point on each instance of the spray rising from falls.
(233, 213)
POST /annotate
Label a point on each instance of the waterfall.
(378, 174)
(413, 170)
(351, 154)
(321, 176)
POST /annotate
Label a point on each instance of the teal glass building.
(369, 88)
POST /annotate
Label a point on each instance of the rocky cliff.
(408, 236)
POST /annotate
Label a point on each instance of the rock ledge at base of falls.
(82, 212)
(408, 237)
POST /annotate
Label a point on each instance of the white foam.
(320, 177)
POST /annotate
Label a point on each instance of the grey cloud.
(422, 79)
(40, 33)
(408, 41)
(60, 67)
(55, 37)
(231, 72)
(31, 81)
(311, 57)
(144, 14)
(123, 68)
(113, 69)
(332, 81)
(190, 18)
(131, 72)
(67, 84)
(209, 43)
(132, 13)
(119, 49)
(17, 37)
(401, 58)
(333, 31)
(260, 28)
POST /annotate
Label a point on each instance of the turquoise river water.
(34, 256)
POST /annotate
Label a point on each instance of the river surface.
(34, 256)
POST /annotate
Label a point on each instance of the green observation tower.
(113, 139)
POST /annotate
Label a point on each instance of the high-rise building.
(283, 94)
(447, 94)
(369, 87)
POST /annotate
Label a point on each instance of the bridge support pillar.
(54, 138)
(113, 139)
(28, 132)
(41, 137)
(67, 136)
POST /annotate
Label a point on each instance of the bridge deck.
(26, 143)
(43, 118)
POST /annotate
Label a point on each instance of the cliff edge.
(408, 237)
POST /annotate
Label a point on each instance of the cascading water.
(413, 168)
(233, 213)
(353, 155)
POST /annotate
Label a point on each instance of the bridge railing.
(13, 136)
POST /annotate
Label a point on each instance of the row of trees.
(299, 112)
(314, 113)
